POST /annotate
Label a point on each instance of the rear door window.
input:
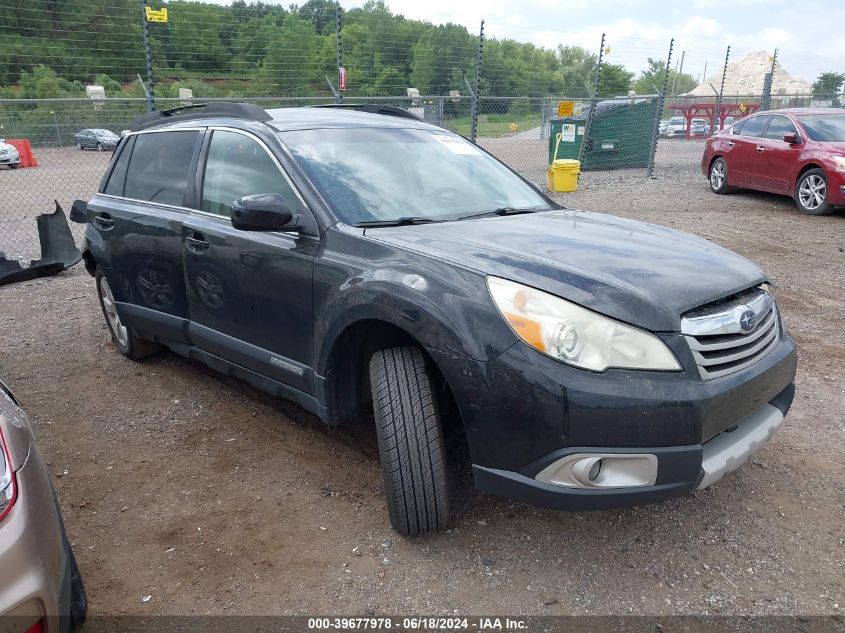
(756, 126)
(159, 167)
(117, 179)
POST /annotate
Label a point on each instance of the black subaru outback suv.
(360, 259)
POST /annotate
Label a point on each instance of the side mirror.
(262, 212)
(79, 212)
(792, 138)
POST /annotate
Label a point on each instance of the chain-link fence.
(629, 135)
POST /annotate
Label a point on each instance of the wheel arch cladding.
(346, 369)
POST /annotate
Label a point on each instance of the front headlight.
(575, 335)
(839, 163)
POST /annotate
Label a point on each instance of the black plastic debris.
(58, 251)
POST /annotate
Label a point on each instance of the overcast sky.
(808, 33)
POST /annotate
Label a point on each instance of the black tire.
(13, 166)
(825, 208)
(78, 597)
(723, 187)
(410, 440)
(128, 342)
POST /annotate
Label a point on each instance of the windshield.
(105, 134)
(676, 120)
(825, 128)
(384, 174)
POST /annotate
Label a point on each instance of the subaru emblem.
(748, 320)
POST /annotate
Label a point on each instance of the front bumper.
(9, 160)
(680, 469)
(523, 410)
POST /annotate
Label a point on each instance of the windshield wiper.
(500, 211)
(404, 221)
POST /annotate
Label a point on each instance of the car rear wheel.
(811, 193)
(125, 339)
(719, 177)
(410, 439)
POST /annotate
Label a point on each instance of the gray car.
(9, 155)
(40, 585)
(97, 139)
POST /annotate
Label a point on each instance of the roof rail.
(373, 108)
(202, 111)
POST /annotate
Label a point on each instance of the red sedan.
(798, 152)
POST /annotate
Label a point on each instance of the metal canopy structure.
(706, 111)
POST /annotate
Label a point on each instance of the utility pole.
(148, 56)
(717, 114)
(339, 94)
(768, 84)
(655, 134)
(593, 98)
(473, 129)
(678, 72)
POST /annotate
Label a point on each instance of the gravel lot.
(192, 488)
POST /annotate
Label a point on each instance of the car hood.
(640, 273)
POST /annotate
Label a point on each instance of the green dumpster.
(620, 134)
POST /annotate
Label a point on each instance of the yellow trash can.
(563, 174)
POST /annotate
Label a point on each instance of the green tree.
(290, 55)
(322, 13)
(650, 80)
(42, 83)
(390, 82)
(614, 80)
(829, 86)
(577, 69)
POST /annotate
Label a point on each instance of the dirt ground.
(212, 498)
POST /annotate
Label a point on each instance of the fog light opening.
(594, 471)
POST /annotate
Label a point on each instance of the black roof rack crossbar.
(373, 108)
(202, 111)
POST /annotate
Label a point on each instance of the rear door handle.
(760, 148)
(731, 143)
(196, 242)
(104, 221)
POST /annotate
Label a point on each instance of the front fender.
(444, 307)
(454, 324)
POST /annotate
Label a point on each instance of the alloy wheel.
(717, 175)
(812, 192)
(119, 330)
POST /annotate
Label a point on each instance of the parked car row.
(797, 152)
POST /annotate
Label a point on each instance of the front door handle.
(104, 221)
(761, 149)
(196, 242)
(731, 143)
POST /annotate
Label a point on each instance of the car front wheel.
(124, 338)
(410, 439)
(719, 177)
(811, 193)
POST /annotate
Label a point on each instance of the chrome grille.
(725, 338)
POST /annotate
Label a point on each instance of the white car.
(677, 127)
(9, 155)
